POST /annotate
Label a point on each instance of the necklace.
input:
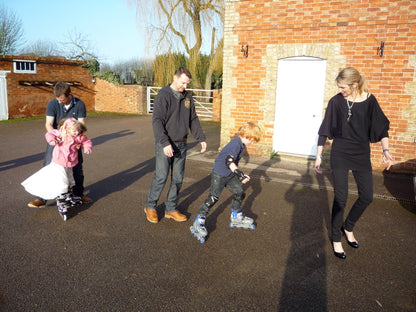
(349, 109)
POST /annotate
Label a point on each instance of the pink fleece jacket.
(65, 153)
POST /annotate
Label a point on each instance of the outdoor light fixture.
(93, 80)
(380, 49)
(244, 49)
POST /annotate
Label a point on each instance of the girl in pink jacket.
(56, 180)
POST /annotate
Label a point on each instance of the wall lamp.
(93, 80)
(244, 49)
(380, 49)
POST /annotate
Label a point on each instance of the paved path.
(108, 257)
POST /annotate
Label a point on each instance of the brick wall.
(129, 99)
(345, 33)
(100, 95)
(27, 101)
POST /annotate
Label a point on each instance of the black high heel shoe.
(340, 255)
(352, 244)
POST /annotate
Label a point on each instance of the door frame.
(284, 147)
(4, 106)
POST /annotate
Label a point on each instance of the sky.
(109, 25)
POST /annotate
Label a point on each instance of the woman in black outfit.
(353, 119)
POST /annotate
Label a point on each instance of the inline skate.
(240, 221)
(63, 205)
(198, 229)
(74, 200)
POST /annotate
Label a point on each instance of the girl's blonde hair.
(250, 130)
(350, 76)
(66, 123)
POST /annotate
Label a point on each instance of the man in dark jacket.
(173, 116)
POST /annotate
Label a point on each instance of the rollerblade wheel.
(64, 216)
(197, 235)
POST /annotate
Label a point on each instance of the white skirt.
(50, 181)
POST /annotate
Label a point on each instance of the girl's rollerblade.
(240, 221)
(74, 200)
(63, 205)
(198, 229)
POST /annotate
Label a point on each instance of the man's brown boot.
(151, 215)
(176, 215)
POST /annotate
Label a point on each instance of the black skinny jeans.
(364, 180)
(218, 183)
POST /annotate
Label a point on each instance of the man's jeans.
(176, 164)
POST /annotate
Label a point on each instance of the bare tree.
(42, 48)
(78, 47)
(215, 61)
(181, 25)
(11, 32)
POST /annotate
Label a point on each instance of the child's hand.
(246, 179)
(57, 141)
(87, 150)
(241, 176)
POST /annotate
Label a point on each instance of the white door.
(4, 109)
(299, 104)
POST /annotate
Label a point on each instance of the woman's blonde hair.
(250, 131)
(351, 76)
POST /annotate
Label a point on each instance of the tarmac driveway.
(108, 257)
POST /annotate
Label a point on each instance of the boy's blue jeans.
(176, 164)
(218, 183)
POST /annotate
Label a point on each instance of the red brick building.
(281, 59)
(26, 84)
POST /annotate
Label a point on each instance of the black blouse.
(367, 123)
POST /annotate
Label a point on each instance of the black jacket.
(173, 117)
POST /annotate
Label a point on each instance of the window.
(24, 67)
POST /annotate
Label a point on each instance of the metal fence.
(203, 100)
